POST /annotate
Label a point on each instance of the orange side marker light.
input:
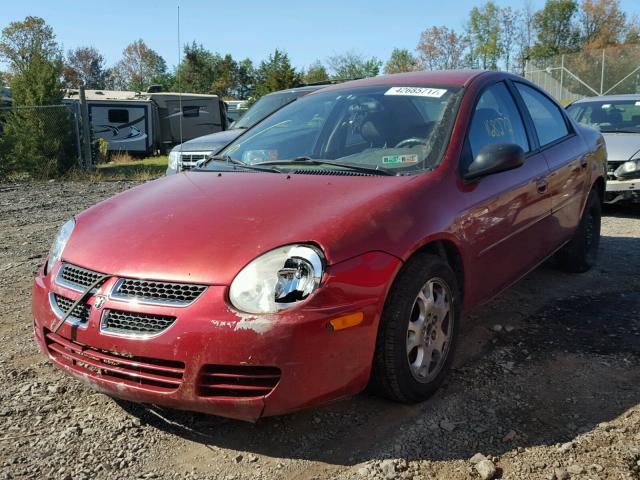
(347, 321)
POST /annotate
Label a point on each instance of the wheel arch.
(450, 252)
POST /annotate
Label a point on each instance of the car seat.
(377, 129)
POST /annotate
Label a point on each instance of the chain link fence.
(39, 142)
(610, 71)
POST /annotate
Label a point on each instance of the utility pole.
(86, 129)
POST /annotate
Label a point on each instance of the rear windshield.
(399, 128)
(608, 116)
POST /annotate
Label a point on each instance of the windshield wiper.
(229, 160)
(313, 161)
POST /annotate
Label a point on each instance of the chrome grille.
(129, 323)
(80, 313)
(188, 160)
(179, 294)
(77, 277)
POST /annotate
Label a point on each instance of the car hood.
(210, 142)
(621, 146)
(204, 227)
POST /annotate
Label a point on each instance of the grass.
(123, 167)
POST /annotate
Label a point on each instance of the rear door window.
(547, 117)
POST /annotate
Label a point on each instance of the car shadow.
(549, 359)
(622, 210)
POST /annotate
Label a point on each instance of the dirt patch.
(546, 385)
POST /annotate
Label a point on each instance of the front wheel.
(418, 331)
(581, 253)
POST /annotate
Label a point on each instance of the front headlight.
(631, 167)
(60, 242)
(278, 279)
(174, 156)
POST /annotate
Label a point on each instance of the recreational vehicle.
(143, 123)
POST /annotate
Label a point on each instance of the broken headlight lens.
(60, 242)
(628, 169)
(278, 279)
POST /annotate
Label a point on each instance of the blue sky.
(307, 30)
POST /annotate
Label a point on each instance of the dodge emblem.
(99, 302)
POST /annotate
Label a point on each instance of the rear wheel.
(418, 331)
(581, 253)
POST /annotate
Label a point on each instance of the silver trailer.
(144, 123)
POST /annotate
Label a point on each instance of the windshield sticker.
(416, 91)
(391, 159)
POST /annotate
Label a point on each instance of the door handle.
(542, 184)
(583, 161)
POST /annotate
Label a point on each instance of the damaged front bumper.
(214, 360)
(623, 190)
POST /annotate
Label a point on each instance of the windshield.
(608, 116)
(401, 129)
(264, 107)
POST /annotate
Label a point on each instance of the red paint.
(204, 228)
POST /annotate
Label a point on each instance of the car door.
(507, 213)
(566, 155)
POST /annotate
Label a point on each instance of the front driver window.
(496, 120)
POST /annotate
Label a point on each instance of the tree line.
(508, 38)
(493, 37)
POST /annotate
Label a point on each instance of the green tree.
(197, 71)
(38, 141)
(556, 29)
(483, 31)
(401, 60)
(139, 68)
(276, 73)
(351, 65)
(245, 79)
(85, 66)
(226, 73)
(316, 73)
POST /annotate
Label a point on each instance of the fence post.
(86, 129)
(76, 124)
(602, 74)
(561, 77)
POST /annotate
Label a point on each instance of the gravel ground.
(546, 386)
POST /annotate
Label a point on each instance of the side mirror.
(493, 159)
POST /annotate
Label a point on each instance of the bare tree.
(441, 48)
(509, 19)
(140, 66)
(524, 35)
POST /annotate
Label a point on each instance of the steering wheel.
(410, 142)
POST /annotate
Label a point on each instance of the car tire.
(410, 317)
(581, 253)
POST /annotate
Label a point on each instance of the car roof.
(609, 98)
(300, 90)
(452, 78)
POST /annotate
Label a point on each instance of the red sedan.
(332, 246)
